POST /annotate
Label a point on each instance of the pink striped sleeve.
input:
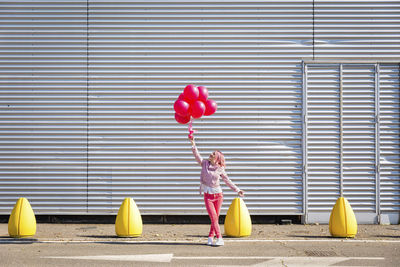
(196, 154)
(228, 182)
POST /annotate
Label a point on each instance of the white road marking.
(266, 257)
(309, 261)
(146, 258)
(288, 261)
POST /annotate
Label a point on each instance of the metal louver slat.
(248, 53)
(43, 106)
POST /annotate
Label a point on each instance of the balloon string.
(190, 124)
(191, 131)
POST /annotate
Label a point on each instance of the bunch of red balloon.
(193, 102)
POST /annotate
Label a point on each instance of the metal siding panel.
(248, 53)
(389, 137)
(43, 105)
(323, 137)
(359, 136)
(367, 29)
(360, 140)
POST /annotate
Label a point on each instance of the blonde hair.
(219, 158)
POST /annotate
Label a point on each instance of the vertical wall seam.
(313, 29)
(377, 143)
(87, 106)
(304, 143)
(341, 129)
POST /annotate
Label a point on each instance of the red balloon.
(197, 109)
(203, 93)
(211, 107)
(181, 97)
(181, 107)
(191, 93)
(182, 119)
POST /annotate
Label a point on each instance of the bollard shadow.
(18, 238)
(17, 241)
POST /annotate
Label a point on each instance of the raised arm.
(196, 153)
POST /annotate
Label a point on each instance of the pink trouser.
(213, 205)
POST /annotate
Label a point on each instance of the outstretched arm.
(196, 153)
(229, 183)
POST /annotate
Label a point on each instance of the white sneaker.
(220, 242)
(210, 241)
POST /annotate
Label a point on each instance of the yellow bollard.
(237, 220)
(129, 221)
(342, 222)
(22, 221)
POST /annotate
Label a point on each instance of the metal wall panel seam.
(304, 143)
(341, 130)
(377, 145)
(87, 105)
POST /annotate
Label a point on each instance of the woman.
(211, 171)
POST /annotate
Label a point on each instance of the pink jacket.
(210, 174)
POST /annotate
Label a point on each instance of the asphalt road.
(184, 245)
(335, 252)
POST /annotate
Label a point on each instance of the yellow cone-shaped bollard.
(22, 221)
(129, 221)
(237, 220)
(342, 222)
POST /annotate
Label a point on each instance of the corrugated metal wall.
(345, 29)
(43, 106)
(87, 89)
(140, 57)
(354, 31)
(142, 54)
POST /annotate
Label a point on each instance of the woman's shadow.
(140, 241)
